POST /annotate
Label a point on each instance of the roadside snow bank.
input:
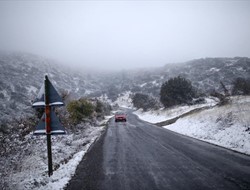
(67, 152)
(227, 126)
(155, 116)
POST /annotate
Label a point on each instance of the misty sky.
(126, 34)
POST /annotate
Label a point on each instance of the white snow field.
(227, 126)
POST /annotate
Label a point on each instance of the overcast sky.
(126, 34)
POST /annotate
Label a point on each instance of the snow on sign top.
(54, 98)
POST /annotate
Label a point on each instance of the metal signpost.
(49, 124)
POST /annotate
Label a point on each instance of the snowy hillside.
(22, 76)
(227, 126)
(205, 74)
(23, 157)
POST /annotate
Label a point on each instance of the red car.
(120, 117)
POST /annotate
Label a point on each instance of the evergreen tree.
(241, 86)
(144, 101)
(176, 91)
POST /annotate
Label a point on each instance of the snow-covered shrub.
(241, 86)
(200, 100)
(144, 101)
(223, 99)
(102, 108)
(112, 92)
(3, 128)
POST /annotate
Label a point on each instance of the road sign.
(56, 126)
(54, 98)
(49, 125)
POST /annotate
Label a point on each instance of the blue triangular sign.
(56, 127)
(54, 98)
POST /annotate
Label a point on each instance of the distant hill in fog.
(22, 76)
(205, 74)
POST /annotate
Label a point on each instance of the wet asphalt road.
(137, 155)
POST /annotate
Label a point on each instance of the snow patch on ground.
(214, 69)
(67, 152)
(227, 126)
(155, 116)
(87, 92)
(142, 85)
(124, 100)
(104, 98)
(5, 94)
(31, 89)
(61, 177)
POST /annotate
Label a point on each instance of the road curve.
(137, 155)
